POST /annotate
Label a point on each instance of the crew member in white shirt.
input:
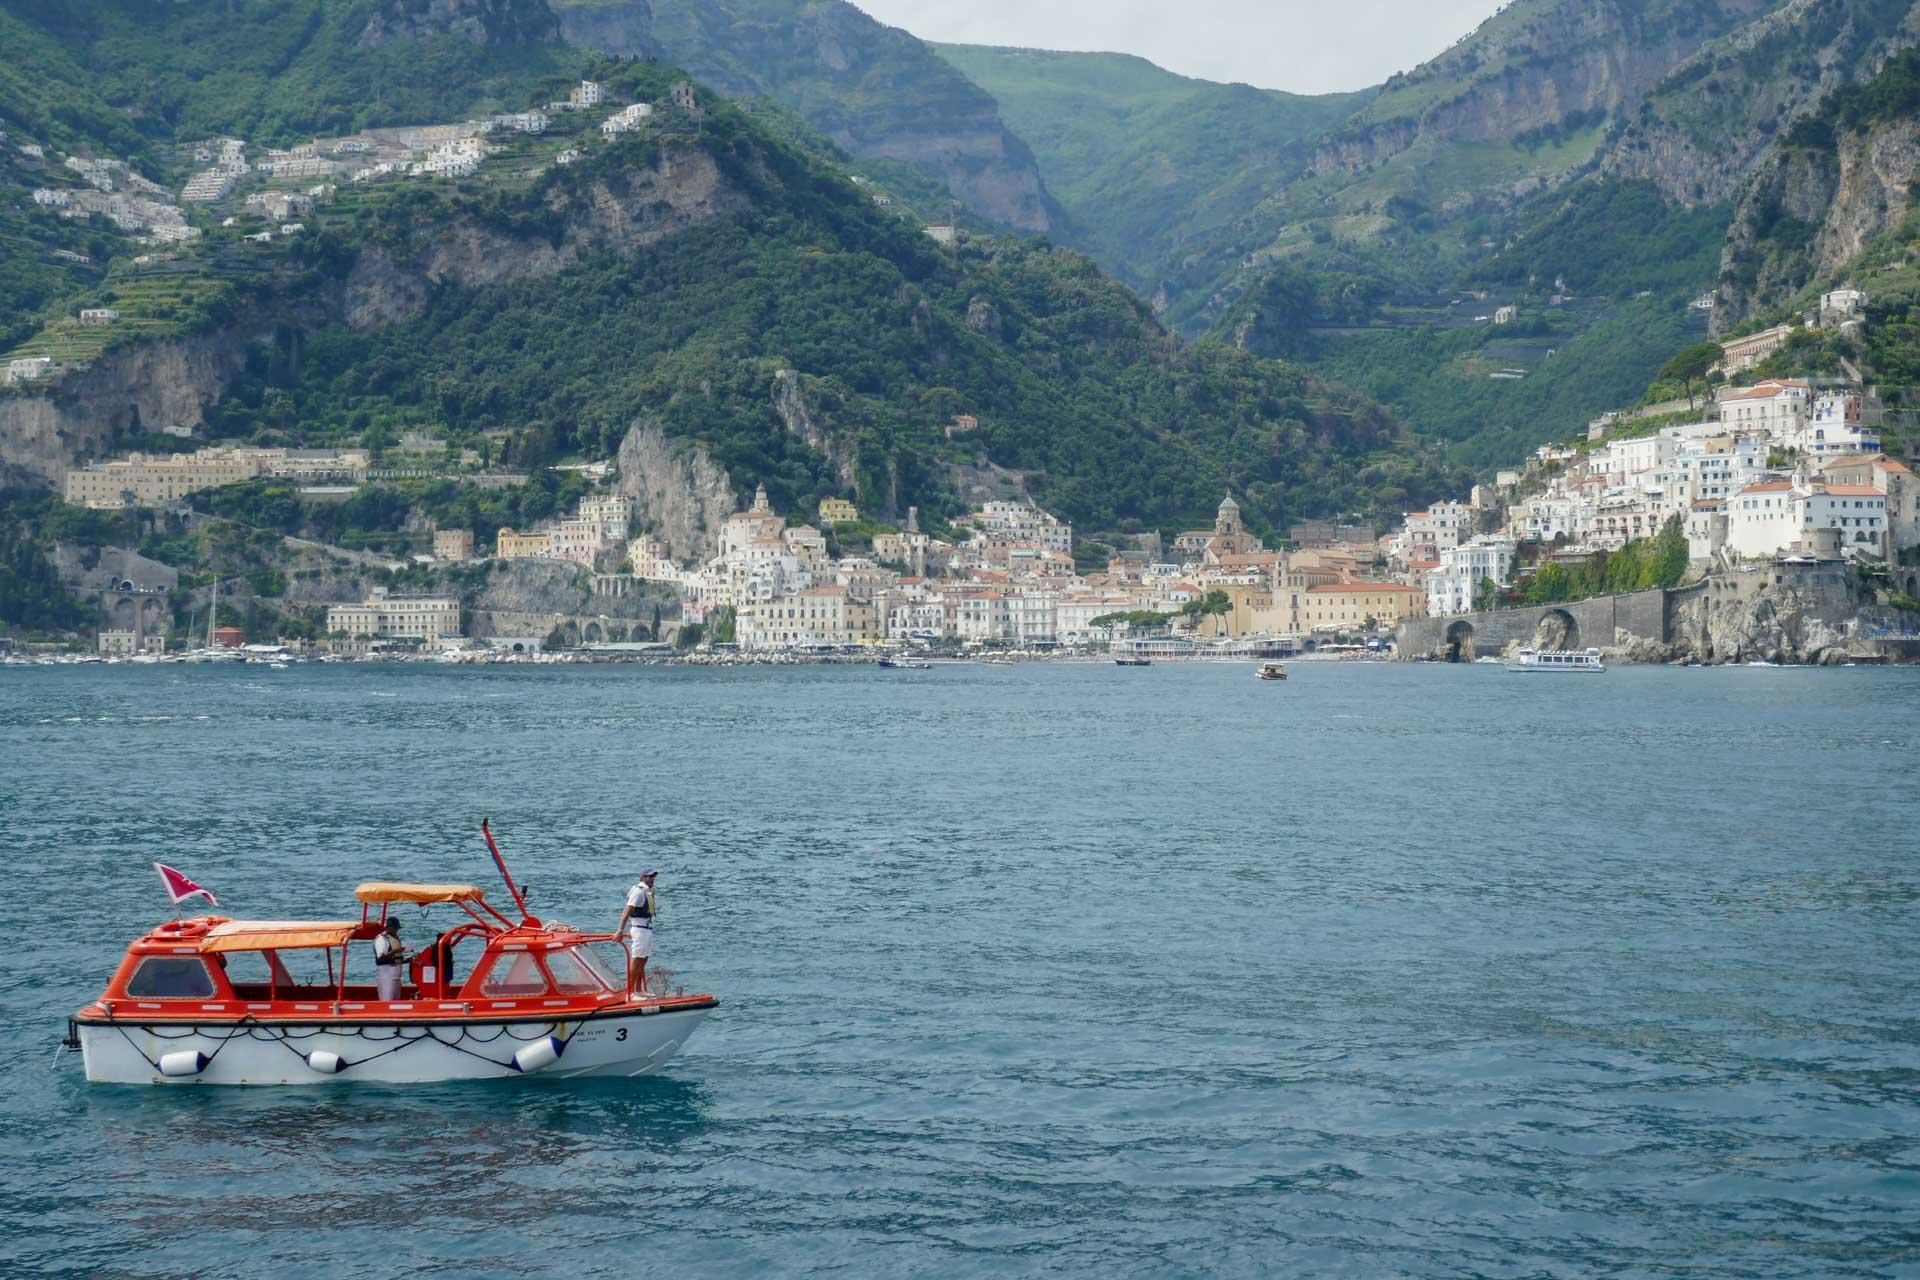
(636, 922)
(389, 960)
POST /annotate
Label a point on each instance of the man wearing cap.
(388, 957)
(636, 922)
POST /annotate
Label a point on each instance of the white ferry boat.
(1557, 660)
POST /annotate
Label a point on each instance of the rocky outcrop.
(873, 89)
(1871, 194)
(477, 21)
(623, 28)
(623, 211)
(1807, 612)
(1716, 119)
(790, 405)
(1818, 614)
(682, 495)
(1533, 67)
(165, 384)
(1808, 212)
(140, 388)
(538, 597)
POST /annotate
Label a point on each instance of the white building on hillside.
(1451, 588)
(1765, 519)
(1833, 428)
(1778, 405)
(627, 119)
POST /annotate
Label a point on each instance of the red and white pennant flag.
(179, 888)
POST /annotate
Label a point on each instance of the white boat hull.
(625, 1044)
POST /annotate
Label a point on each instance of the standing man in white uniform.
(636, 922)
(389, 957)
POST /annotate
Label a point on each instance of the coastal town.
(1778, 469)
(1760, 469)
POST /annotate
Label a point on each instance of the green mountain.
(1144, 162)
(131, 80)
(707, 282)
(127, 72)
(874, 90)
(1706, 128)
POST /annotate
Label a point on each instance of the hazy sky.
(1307, 46)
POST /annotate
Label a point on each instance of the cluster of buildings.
(600, 524)
(1010, 579)
(143, 480)
(1769, 471)
(1838, 309)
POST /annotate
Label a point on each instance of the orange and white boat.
(211, 1000)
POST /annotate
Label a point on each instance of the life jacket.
(391, 955)
(642, 917)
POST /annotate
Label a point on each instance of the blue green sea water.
(1041, 970)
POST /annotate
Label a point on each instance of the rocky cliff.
(1535, 65)
(158, 385)
(682, 494)
(1714, 120)
(129, 390)
(1823, 616)
(478, 21)
(623, 28)
(873, 89)
(790, 405)
(1809, 211)
(623, 210)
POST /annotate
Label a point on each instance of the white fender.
(325, 1063)
(183, 1062)
(539, 1055)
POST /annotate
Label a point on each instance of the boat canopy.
(379, 891)
(278, 935)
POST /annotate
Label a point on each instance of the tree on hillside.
(1691, 365)
(1216, 603)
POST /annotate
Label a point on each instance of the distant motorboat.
(1138, 661)
(1273, 671)
(1559, 661)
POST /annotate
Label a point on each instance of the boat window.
(514, 974)
(570, 976)
(171, 978)
(608, 960)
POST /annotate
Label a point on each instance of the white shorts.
(639, 943)
(386, 980)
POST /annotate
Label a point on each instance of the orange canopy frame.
(279, 935)
(380, 891)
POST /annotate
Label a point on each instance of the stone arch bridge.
(1643, 615)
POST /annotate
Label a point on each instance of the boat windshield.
(572, 971)
(607, 962)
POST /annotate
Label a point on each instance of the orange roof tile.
(1855, 491)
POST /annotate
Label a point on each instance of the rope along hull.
(627, 1044)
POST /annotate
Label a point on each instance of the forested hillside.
(125, 74)
(1144, 162)
(669, 277)
(875, 90)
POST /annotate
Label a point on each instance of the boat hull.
(623, 1043)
